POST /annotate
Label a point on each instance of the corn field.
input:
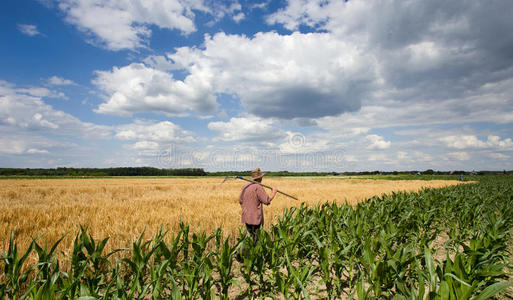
(448, 243)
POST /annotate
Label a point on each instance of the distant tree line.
(149, 171)
(128, 171)
(428, 172)
(272, 173)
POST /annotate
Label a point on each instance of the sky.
(291, 85)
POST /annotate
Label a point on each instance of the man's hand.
(273, 192)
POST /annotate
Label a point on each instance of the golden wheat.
(122, 208)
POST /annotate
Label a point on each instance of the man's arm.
(263, 197)
(273, 193)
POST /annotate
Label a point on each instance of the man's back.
(251, 199)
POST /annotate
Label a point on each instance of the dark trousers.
(253, 231)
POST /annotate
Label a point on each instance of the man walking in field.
(251, 199)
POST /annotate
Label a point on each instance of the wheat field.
(122, 208)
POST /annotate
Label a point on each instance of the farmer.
(251, 199)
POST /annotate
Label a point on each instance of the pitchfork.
(252, 181)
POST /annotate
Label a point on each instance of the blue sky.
(282, 85)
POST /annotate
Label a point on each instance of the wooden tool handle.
(266, 186)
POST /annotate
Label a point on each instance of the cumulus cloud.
(429, 57)
(138, 88)
(146, 145)
(500, 156)
(23, 108)
(367, 68)
(219, 10)
(159, 62)
(377, 142)
(22, 142)
(402, 155)
(458, 156)
(471, 141)
(126, 24)
(56, 80)
(37, 151)
(283, 76)
(13, 146)
(377, 157)
(247, 129)
(40, 92)
(239, 17)
(30, 127)
(267, 73)
(297, 143)
(153, 131)
(488, 104)
(28, 29)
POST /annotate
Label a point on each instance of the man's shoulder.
(247, 186)
(251, 186)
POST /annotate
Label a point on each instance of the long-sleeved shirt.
(251, 199)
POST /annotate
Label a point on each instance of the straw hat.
(256, 173)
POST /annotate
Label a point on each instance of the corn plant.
(223, 260)
(14, 271)
(45, 282)
(137, 267)
(301, 276)
(249, 258)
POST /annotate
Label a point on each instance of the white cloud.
(55, 80)
(29, 126)
(155, 140)
(297, 143)
(11, 146)
(261, 5)
(37, 151)
(471, 141)
(433, 67)
(350, 158)
(377, 142)
(37, 119)
(488, 104)
(160, 63)
(155, 132)
(283, 76)
(458, 156)
(24, 109)
(267, 72)
(41, 92)
(137, 88)
(496, 142)
(247, 129)
(422, 157)
(377, 157)
(23, 142)
(27, 29)
(146, 145)
(499, 156)
(402, 155)
(239, 17)
(463, 141)
(367, 70)
(124, 24)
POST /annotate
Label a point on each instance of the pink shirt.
(251, 199)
